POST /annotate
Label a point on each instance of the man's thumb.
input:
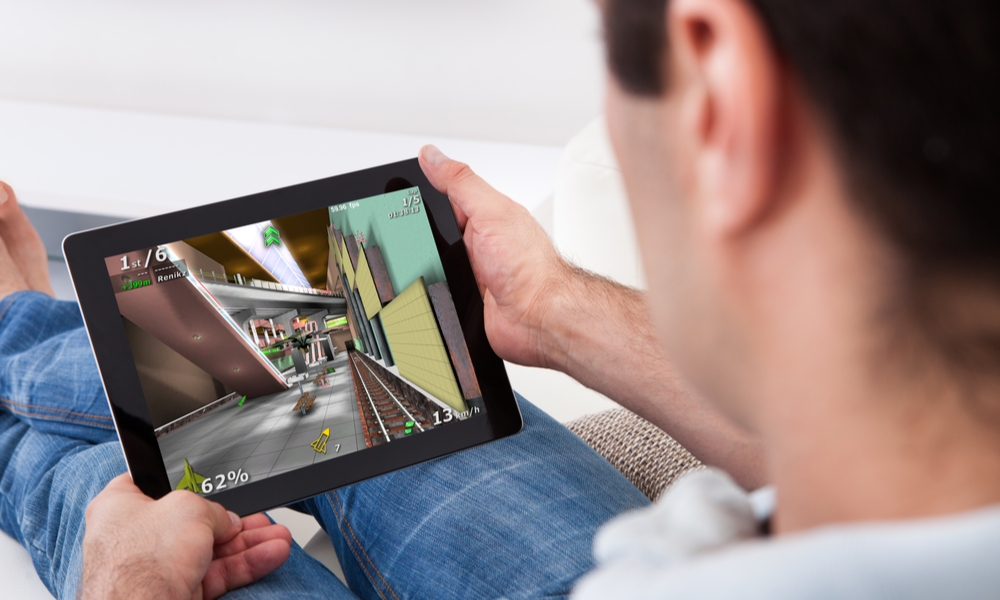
(444, 174)
(456, 180)
(226, 524)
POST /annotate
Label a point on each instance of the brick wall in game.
(451, 330)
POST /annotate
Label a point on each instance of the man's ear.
(729, 79)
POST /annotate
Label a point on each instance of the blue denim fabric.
(48, 376)
(512, 519)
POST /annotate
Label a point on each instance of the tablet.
(266, 349)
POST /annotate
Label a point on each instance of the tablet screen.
(280, 344)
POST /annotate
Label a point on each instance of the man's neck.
(882, 457)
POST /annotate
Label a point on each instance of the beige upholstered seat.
(644, 454)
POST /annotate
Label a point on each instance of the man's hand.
(180, 546)
(520, 274)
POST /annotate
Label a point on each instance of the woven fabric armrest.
(641, 451)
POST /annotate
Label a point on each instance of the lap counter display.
(281, 344)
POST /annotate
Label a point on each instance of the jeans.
(511, 519)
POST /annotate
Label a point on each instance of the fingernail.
(434, 156)
(235, 518)
(3, 193)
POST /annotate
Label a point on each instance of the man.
(812, 189)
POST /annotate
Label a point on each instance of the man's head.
(812, 184)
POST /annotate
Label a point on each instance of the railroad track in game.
(386, 415)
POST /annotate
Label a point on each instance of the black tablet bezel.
(85, 254)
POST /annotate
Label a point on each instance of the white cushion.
(592, 221)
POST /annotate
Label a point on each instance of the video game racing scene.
(281, 344)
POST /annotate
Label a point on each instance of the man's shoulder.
(952, 557)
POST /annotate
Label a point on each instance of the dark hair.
(910, 91)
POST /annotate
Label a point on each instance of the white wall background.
(526, 71)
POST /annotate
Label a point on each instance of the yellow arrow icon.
(320, 444)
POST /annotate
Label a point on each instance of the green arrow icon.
(242, 400)
(271, 236)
